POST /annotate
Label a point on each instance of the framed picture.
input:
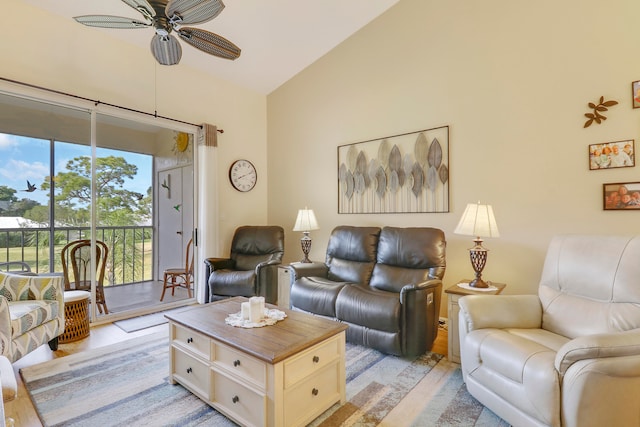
(621, 196)
(406, 173)
(609, 155)
(635, 93)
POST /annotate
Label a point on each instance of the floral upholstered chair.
(31, 313)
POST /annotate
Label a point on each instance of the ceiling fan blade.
(141, 6)
(108, 21)
(166, 49)
(209, 42)
(190, 12)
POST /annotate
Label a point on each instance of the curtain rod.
(97, 102)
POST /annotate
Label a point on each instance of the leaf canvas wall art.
(406, 173)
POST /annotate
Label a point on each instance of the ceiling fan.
(166, 16)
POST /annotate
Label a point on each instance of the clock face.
(243, 175)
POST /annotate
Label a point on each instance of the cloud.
(20, 171)
(7, 141)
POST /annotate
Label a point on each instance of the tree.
(115, 204)
(7, 194)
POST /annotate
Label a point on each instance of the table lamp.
(478, 220)
(305, 222)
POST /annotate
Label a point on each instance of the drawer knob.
(189, 370)
(189, 340)
(314, 391)
(316, 359)
(235, 399)
(236, 363)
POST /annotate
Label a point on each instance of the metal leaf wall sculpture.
(598, 109)
(396, 174)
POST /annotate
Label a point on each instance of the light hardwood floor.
(22, 410)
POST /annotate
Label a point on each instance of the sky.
(27, 159)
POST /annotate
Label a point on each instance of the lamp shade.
(306, 220)
(478, 220)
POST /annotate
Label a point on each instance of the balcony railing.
(130, 250)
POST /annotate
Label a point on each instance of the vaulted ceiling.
(278, 38)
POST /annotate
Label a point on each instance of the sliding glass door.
(70, 175)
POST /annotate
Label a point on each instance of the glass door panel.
(127, 188)
(31, 233)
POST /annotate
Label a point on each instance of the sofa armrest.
(500, 311)
(308, 269)
(5, 328)
(597, 346)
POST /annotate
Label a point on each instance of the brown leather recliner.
(251, 269)
(384, 283)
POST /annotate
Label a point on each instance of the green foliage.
(7, 194)
(116, 205)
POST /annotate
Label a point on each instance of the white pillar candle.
(261, 299)
(256, 313)
(246, 310)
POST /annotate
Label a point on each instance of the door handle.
(179, 232)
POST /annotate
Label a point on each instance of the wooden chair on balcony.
(78, 276)
(181, 277)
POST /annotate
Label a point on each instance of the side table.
(454, 293)
(284, 285)
(76, 316)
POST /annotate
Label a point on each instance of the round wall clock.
(243, 175)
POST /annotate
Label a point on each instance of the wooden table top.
(297, 332)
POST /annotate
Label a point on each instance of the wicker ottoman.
(76, 316)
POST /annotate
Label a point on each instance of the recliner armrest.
(219, 263)
(500, 311)
(597, 346)
(429, 284)
(305, 269)
(262, 265)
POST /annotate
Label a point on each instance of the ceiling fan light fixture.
(166, 49)
(166, 16)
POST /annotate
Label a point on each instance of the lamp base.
(305, 242)
(478, 283)
(478, 256)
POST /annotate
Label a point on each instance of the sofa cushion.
(250, 262)
(370, 308)
(351, 253)
(232, 282)
(408, 255)
(597, 275)
(27, 315)
(316, 295)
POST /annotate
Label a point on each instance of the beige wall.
(45, 50)
(512, 79)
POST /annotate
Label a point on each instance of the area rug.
(143, 322)
(126, 384)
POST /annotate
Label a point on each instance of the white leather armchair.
(569, 356)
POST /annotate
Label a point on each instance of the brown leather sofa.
(384, 283)
(570, 355)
